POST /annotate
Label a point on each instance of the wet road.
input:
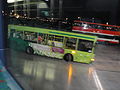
(43, 73)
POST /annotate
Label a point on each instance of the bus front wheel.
(29, 50)
(68, 57)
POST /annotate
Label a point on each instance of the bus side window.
(19, 34)
(30, 36)
(56, 41)
(109, 28)
(12, 33)
(42, 38)
(105, 28)
(99, 27)
(85, 45)
(77, 24)
(70, 43)
(50, 40)
(116, 29)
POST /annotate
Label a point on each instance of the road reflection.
(39, 70)
(70, 72)
(45, 75)
(93, 73)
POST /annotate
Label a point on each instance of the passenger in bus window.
(39, 39)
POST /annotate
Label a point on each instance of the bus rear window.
(85, 45)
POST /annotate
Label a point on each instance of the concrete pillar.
(3, 29)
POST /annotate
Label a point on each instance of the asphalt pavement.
(35, 72)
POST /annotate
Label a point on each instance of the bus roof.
(97, 23)
(54, 32)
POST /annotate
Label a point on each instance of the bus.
(106, 33)
(52, 43)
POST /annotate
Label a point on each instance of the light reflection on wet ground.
(43, 73)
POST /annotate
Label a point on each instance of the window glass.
(118, 28)
(71, 43)
(85, 45)
(30, 36)
(55, 40)
(99, 27)
(59, 38)
(16, 34)
(104, 27)
(91, 25)
(115, 29)
(85, 26)
(77, 24)
(109, 28)
(19, 34)
(12, 33)
(42, 38)
(107, 37)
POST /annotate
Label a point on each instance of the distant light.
(12, 1)
(42, 5)
(52, 18)
(2, 11)
(70, 73)
(17, 16)
(107, 23)
(12, 10)
(66, 18)
(85, 26)
(24, 14)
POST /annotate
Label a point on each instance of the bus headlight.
(73, 52)
(92, 59)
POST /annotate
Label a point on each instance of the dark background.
(103, 10)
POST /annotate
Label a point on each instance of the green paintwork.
(18, 44)
(79, 56)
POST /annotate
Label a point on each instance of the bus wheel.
(29, 50)
(68, 57)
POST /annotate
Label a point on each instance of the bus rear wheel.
(68, 57)
(29, 50)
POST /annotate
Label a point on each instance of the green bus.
(52, 43)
